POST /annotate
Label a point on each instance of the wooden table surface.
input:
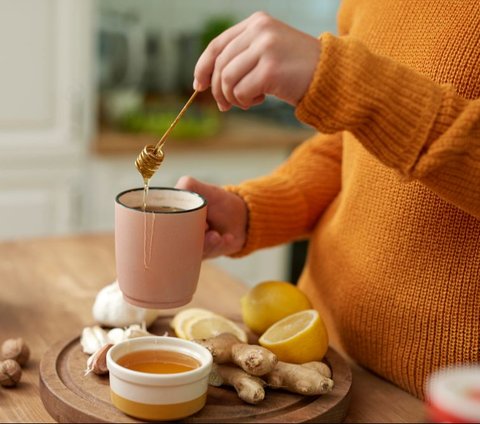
(47, 288)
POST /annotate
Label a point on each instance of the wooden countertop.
(47, 288)
(236, 132)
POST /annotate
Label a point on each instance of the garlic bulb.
(110, 309)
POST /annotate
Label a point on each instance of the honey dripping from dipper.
(151, 157)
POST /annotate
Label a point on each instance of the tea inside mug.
(153, 208)
(161, 200)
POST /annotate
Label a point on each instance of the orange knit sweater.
(389, 195)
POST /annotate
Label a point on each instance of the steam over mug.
(159, 251)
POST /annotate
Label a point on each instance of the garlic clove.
(100, 334)
(97, 362)
(116, 335)
(93, 338)
(135, 331)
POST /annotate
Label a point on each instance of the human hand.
(227, 217)
(258, 56)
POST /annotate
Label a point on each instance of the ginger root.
(249, 388)
(253, 359)
(301, 379)
(320, 367)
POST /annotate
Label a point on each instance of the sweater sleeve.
(422, 129)
(285, 205)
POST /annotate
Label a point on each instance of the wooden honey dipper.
(151, 157)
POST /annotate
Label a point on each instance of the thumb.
(188, 183)
(208, 191)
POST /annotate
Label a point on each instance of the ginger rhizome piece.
(298, 378)
(226, 348)
(320, 367)
(249, 388)
(241, 365)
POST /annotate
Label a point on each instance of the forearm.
(422, 129)
(286, 204)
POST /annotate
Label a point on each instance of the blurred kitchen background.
(85, 84)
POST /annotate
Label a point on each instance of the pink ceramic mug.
(158, 254)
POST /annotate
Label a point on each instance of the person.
(387, 191)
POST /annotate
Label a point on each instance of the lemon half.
(299, 338)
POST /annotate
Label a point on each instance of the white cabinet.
(45, 86)
(39, 202)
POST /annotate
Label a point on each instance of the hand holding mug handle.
(227, 217)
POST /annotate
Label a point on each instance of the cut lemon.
(269, 302)
(181, 319)
(206, 327)
(299, 338)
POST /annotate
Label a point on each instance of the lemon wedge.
(269, 302)
(181, 320)
(211, 326)
(299, 338)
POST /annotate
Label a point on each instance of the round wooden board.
(69, 396)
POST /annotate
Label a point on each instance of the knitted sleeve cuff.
(387, 106)
(277, 211)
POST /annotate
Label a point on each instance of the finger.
(211, 243)
(231, 50)
(252, 87)
(205, 64)
(218, 245)
(234, 71)
(222, 103)
(258, 100)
